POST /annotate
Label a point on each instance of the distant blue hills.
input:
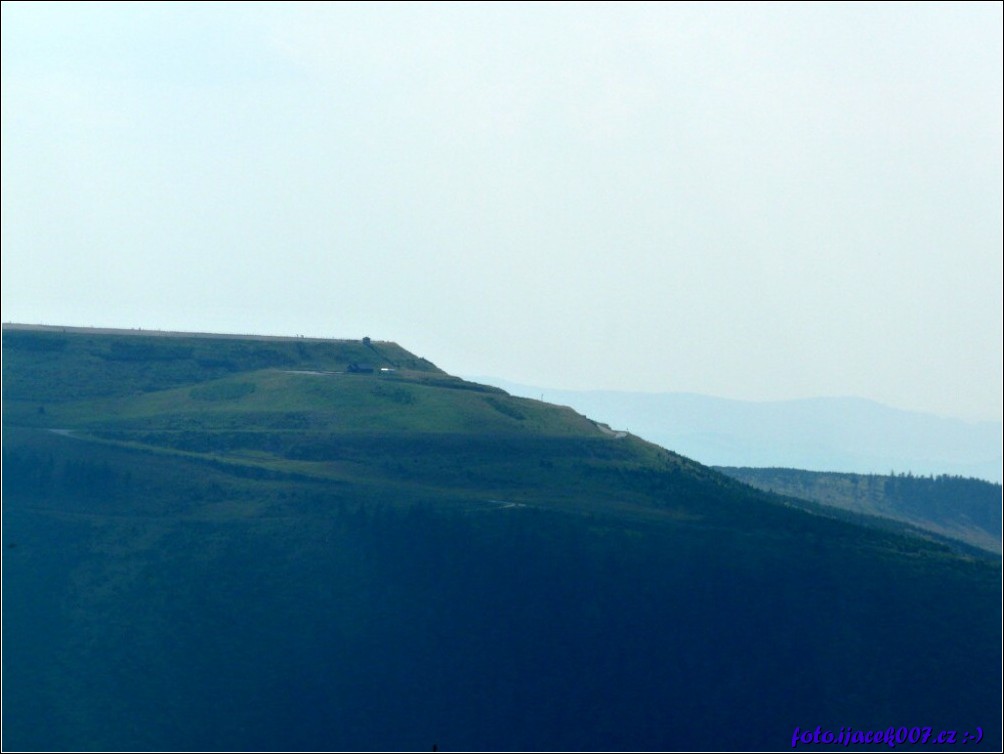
(819, 434)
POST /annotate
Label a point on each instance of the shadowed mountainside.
(263, 543)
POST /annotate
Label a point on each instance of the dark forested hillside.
(235, 543)
(968, 510)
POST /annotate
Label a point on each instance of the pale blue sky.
(749, 201)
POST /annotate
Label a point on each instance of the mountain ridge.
(959, 508)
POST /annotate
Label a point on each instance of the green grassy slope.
(308, 414)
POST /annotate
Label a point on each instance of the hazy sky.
(750, 201)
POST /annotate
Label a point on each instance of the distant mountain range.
(820, 434)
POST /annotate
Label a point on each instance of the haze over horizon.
(758, 202)
(826, 434)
